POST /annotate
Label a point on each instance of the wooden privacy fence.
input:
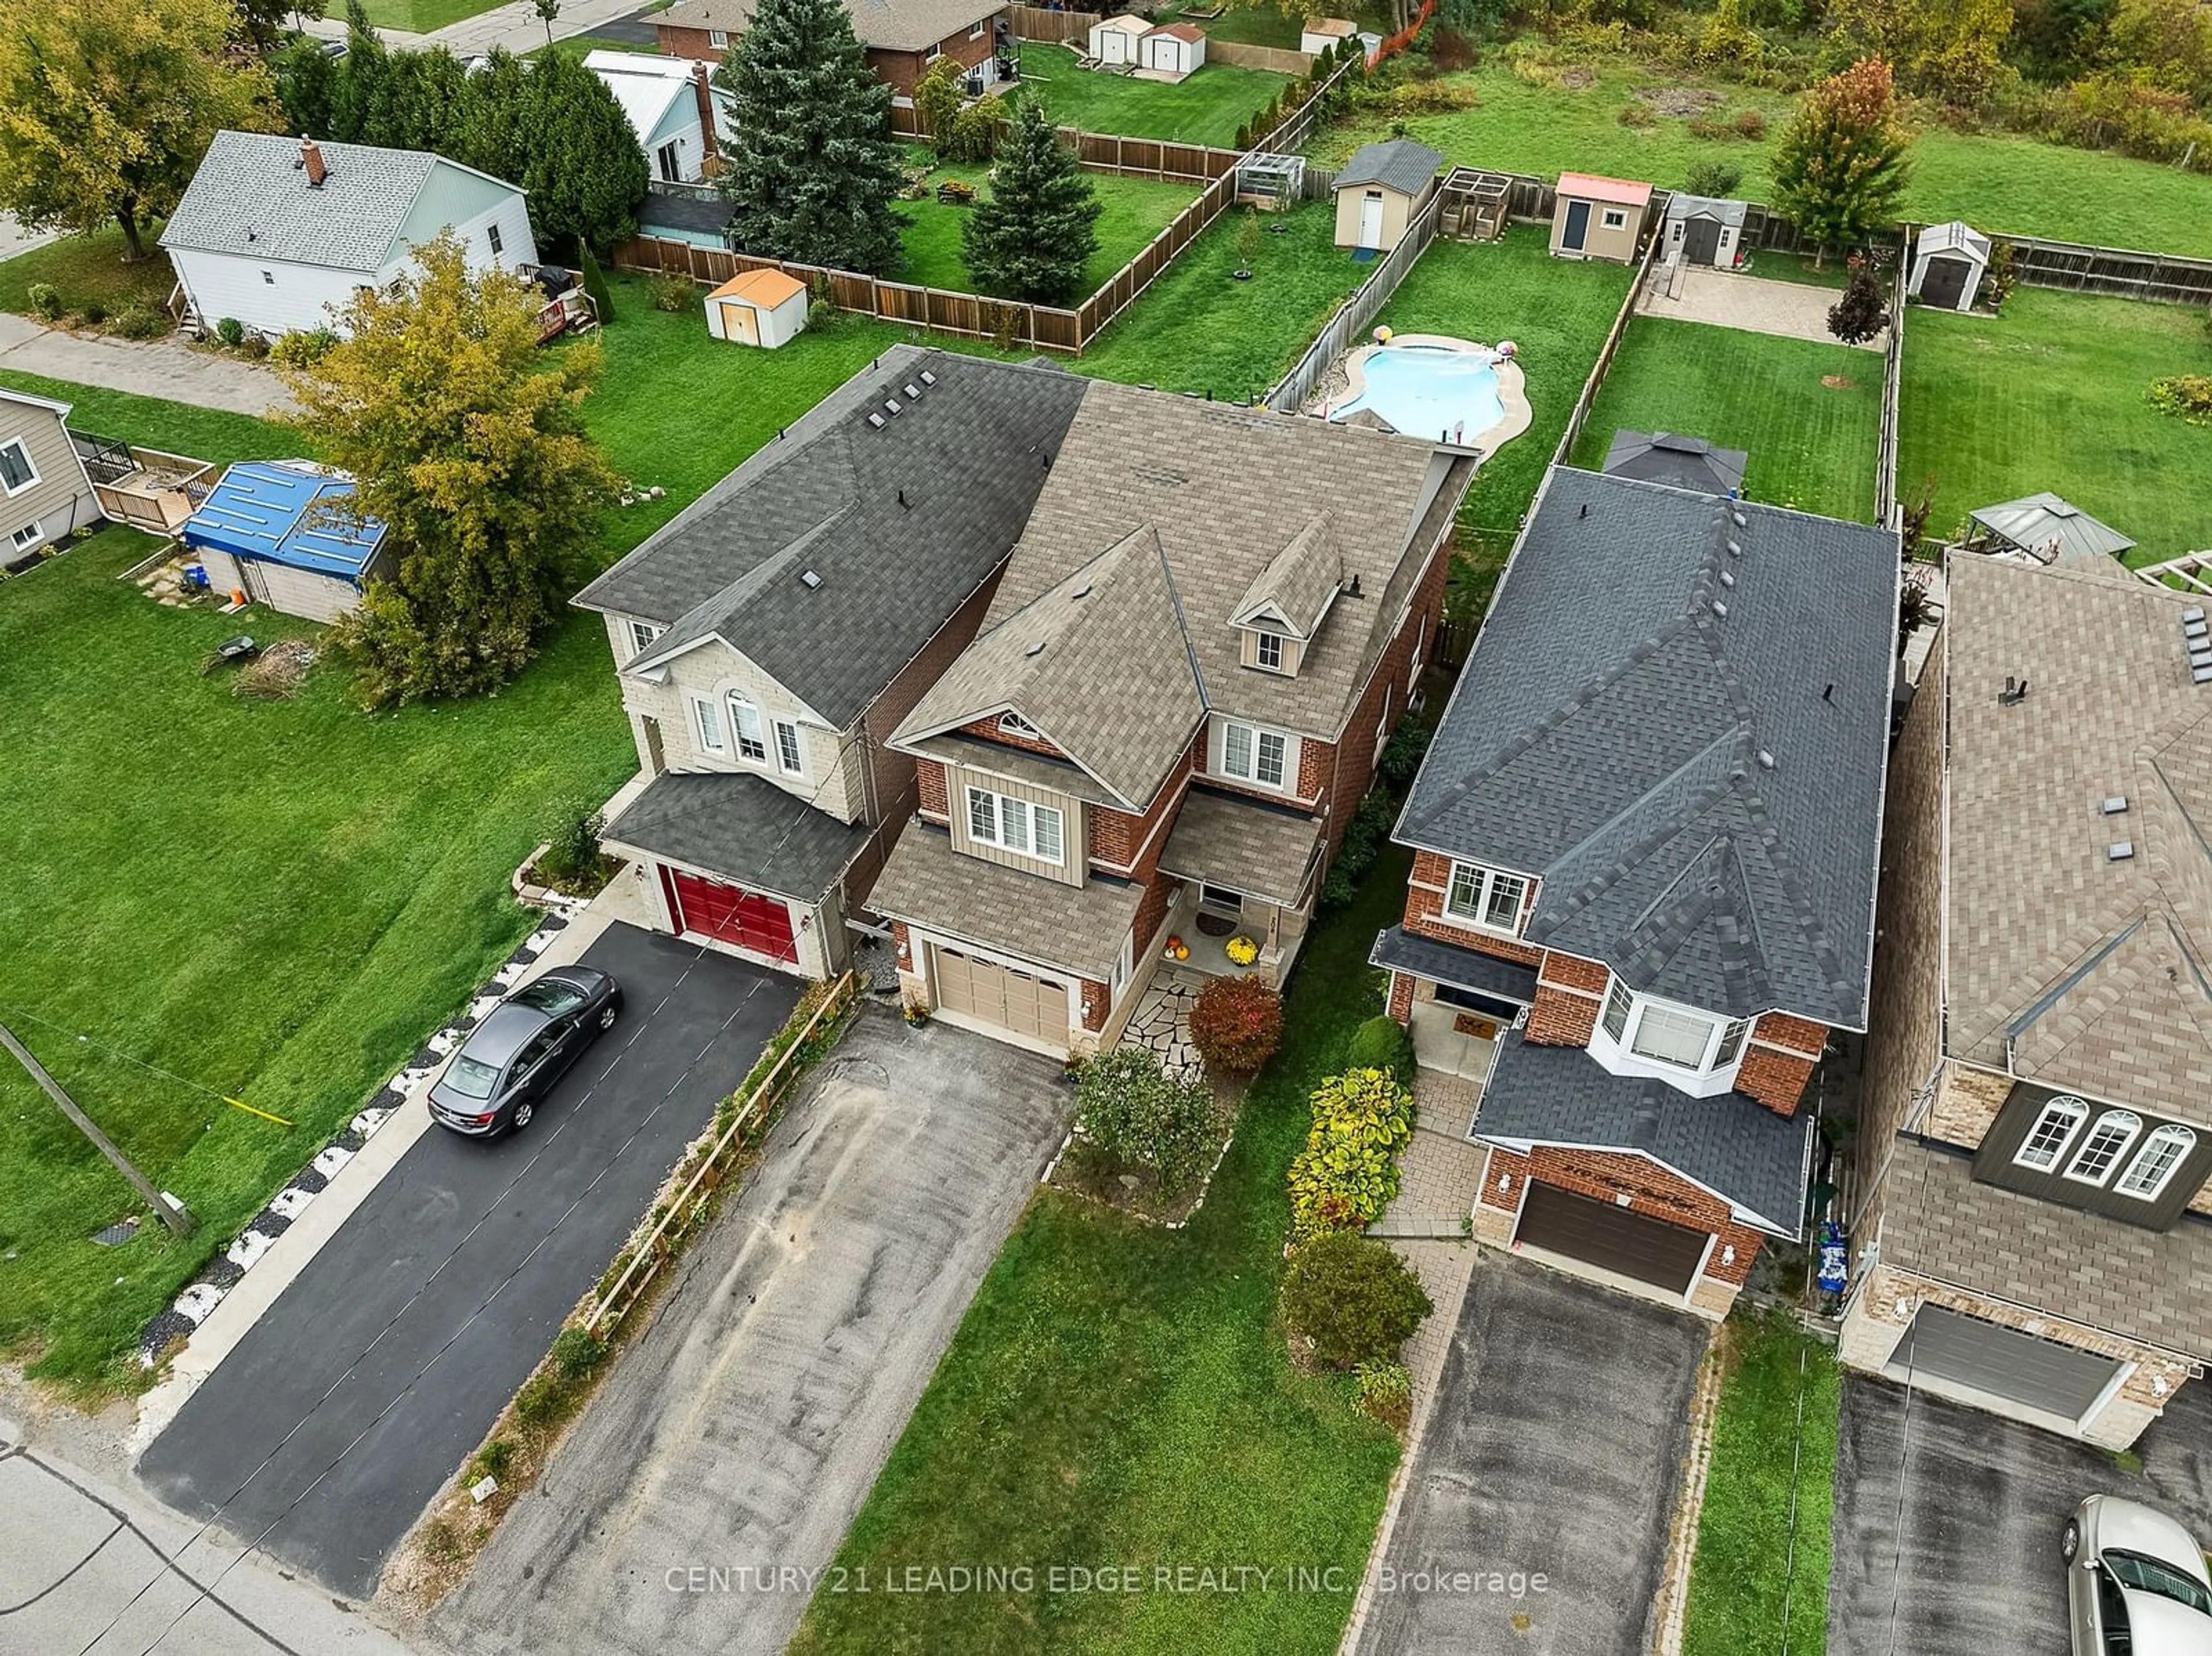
(1885, 510)
(1588, 400)
(1297, 387)
(1038, 23)
(1280, 59)
(2166, 277)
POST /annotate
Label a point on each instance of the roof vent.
(1727, 576)
(2120, 851)
(1720, 609)
(892, 405)
(876, 421)
(2115, 804)
(1035, 649)
(912, 391)
(927, 378)
(1738, 519)
(1736, 549)
(2014, 692)
(1765, 760)
(809, 579)
(1082, 591)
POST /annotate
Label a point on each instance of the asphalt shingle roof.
(1079, 929)
(1676, 714)
(900, 522)
(1397, 164)
(1740, 1149)
(1243, 844)
(743, 827)
(252, 196)
(1400, 950)
(1662, 457)
(892, 25)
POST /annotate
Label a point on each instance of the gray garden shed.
(1948, 262)
(1704, 230)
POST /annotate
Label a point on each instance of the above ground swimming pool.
(1443, 390)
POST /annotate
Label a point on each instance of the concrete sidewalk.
(160, 369)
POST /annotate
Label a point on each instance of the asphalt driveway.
(1947, 1520)
(739, 1435)
(1555, 1447)
(377, 1370)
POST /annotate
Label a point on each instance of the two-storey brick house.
(1644, 848)
(2030, 1224)
(770, 637)
(1215, 619)
(902, 37)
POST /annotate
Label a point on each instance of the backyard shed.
(757, 307)
(279, 532)
(1381, 189)
(2048, 530)
(1665, 456)
(1172, 52)
(1703, 230)
(1948, 262)
(1114, 40)
(1599, 218)
(1319, 34)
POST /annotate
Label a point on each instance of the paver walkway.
(1794, 310)
(1161, 1025)
(161, 368)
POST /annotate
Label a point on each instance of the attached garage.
(1029, 1006)
(2022, 1368)
(1611, 1237)
(751, 920)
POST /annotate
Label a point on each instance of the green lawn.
(2000, 184)
(278, 900)
(1198, 328)
(1206, 108)
(1136, 210)
(1745, 1571)
(421, 16)
(1812, 445)
(1119, 1394)
(89, 270)
(2054, 394)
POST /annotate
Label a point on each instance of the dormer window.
(642, 635)
(1012, 724)
(1271, 648)
(1639, 1034)
(1268, 651)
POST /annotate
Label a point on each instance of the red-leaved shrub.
(1236, 1024)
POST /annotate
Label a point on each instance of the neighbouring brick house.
(1644, 857)
(2029, 1227)
(769, 639)
(902, 37)
(1213, 621)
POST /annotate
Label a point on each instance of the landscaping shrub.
(1348, 1171)
(303, 348)
(594, 281)
(974, 134)
(1145, 1118)
(576, 1354)
(255, 346)
(1365, 835)
(1750, 124)
(1355, 1299)
(1237, 1023)
(1382, 1043)
(2002, 276)
(2185, 395)
(573, 861)
(1637, 112)
(1718, 179)
(94, 314)
(671, 291)
(230, 331)
(45, 301)
(491, 1461)
(1386, 1390)
(1403, 752)
(141, 322)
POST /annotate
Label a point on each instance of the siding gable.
(1993, 1163)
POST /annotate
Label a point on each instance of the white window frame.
(1650, 1015)
(1613, 218)
(2149, 1188)
(719, 38)
(976, 33)
(2127, 1125)
(1265, 639)
(1257, 739)
(29, 465)
(1622, 1013)
(994, 824)
(750, 747)
(1012, 724)
(790, 755)
(2064, 1107)
(28, 538)
(1482, 887)
(707, 727)
(641, 636)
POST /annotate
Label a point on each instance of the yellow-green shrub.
(1348, 1171)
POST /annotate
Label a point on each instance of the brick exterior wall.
(1132, 845)
(694, 43)
(1401, 997)
(1569, 992)
(1652, 1190)
(929, 790)
(1967, 1102)
(1777, 1080)
(1424, 903)
(1097, 1001)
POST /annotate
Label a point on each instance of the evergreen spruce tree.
(358, 88)
(1032, 238)
(812, 170)
(581, 163)
(307, 82)
(1840, 166)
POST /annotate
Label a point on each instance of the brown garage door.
(1024, 1002)
(1617, 1239)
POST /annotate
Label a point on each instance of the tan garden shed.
(1598, 217)
(1381, 189)
(757, 307)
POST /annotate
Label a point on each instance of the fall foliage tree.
(470, 447)
(108, 106)
(1863, 311)
(1945, 48)
(1840, 164)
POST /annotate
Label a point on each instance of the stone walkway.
(1792, 309)
(1161, 1025)
(161, 368)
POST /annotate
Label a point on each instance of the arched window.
(2114, 1131)
(2156, 1163)
(2047, 1140)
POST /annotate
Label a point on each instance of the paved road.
(14, 238)
(362, 1390)
(749, 1424)
(515, 25)
(86, 1565)
(1947, 1520)
(162, 367)
(1554, 1446)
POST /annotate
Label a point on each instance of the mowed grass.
(1206, 107)
(421, 16)
(89, 269)
(1134, 211)
(1119, 1395)
(1198, 328)
(1773, 1466)
(2054, 394)
(1812, 445)
(1999, 184)
(279, 900)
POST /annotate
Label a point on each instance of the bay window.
(1016, 825)
(1637, 1034)
(1487, 897)
(1668, 1036)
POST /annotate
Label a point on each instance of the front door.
(1578, 230)
(672, 166)
(1371, 220)
(1704, 243)
(1944, 283)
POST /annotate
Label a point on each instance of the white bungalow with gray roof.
(1643, 889)
(281, 232)
(770, 639)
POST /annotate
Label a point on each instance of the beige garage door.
(1028, 1005)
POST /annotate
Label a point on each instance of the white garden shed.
(1114, 40)
(1948, 262)
(757, 307)
(1172, 51)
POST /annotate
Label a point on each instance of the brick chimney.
(702, 90)
(311, 157)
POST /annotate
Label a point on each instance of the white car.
(2136, 1582)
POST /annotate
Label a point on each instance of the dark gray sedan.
(524, 1045)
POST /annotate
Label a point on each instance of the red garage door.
(730, 914)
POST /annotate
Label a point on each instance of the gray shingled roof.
(1079, 929)
(1400, 950)
(742, 826)
(893, 25)
(251, 196)
(1700, 793)
(1397, 164)
(1663, 457)
(1740, 1149)
(900, 523)
(1243, 844)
